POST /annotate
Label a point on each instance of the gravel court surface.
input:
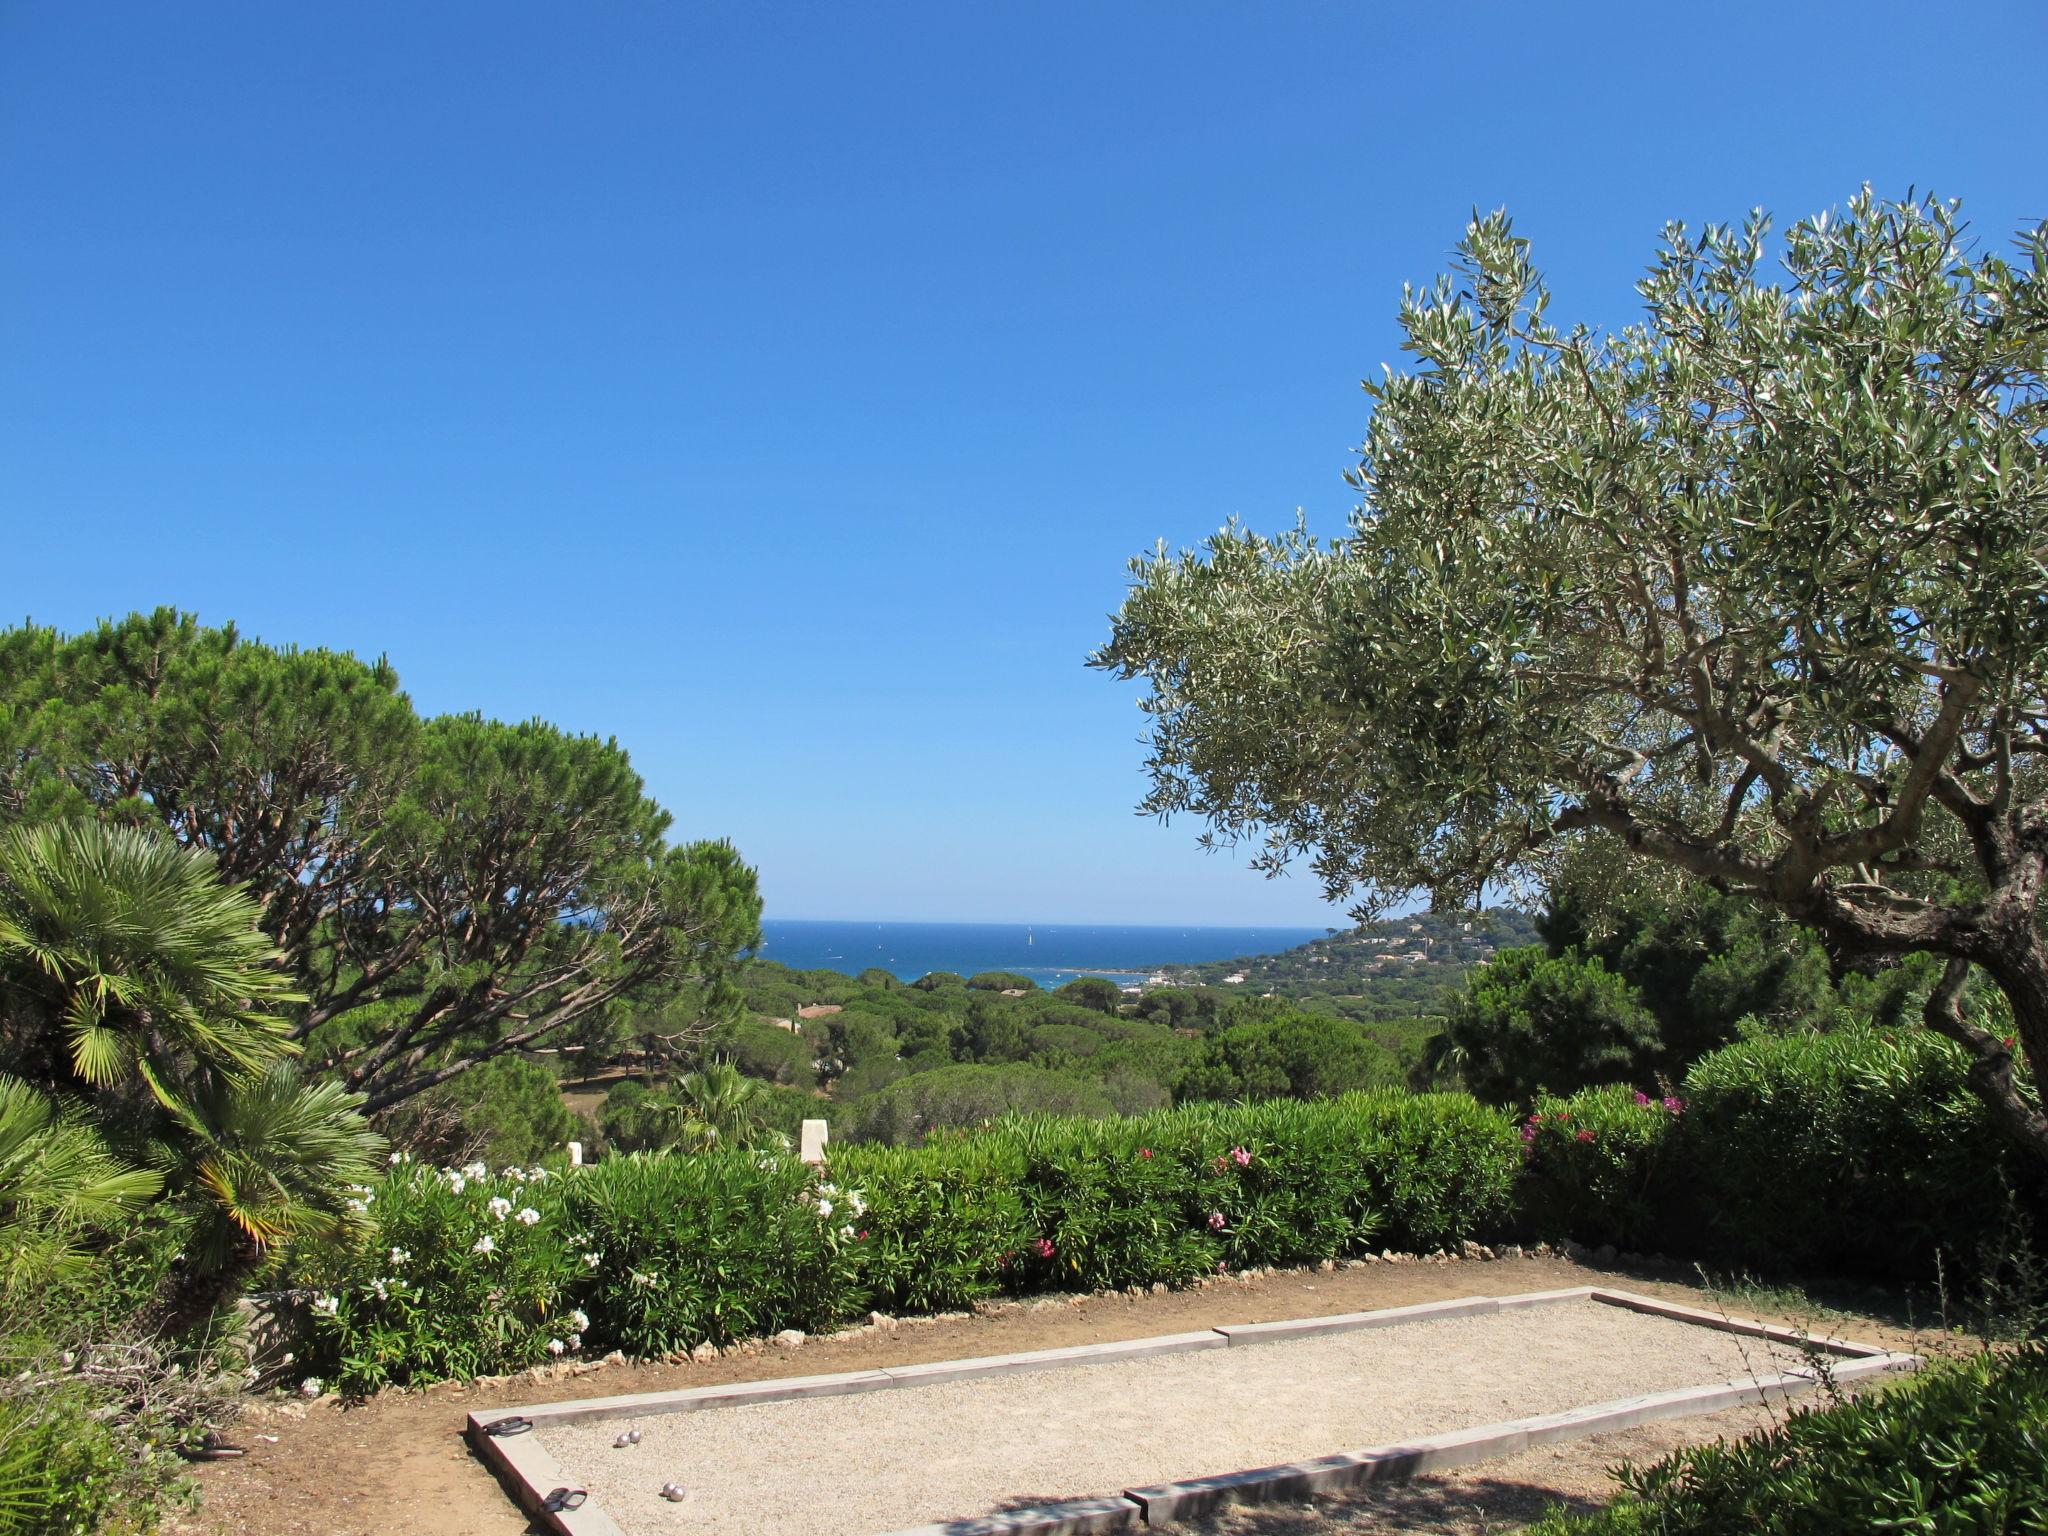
(867, 1463)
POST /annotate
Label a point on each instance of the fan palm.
(265, 1159)
(57, 1178)
(718, 1106)
(136, 955)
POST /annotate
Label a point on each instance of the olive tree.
(1752, 590)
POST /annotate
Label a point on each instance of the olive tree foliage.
(1753, 589)
(443, 890)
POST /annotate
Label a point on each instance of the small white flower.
(824, 1207)
(312, 1386)
(538, 1175)
(516, 1175)
(500, 1207)
(483, 1245)
(860, 1206)
(527, 1216)
(590, 1261)
(575, 1341)
(358, 1206)
(400, 1256)
(580, 1318)
(846, 1233)
(556, 1346)
(640, 1279)
(456, 1183)
(326, 1305)
(382, 1289)
(475, 1171)
(396, 1158)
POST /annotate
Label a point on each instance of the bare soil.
(398, 1463)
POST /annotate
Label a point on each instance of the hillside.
(1403, 965)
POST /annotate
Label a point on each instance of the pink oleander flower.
(1529, 1131)
(1144, 1152)
(1043, 1248)
(1242, 1158)
(1583, 1136)
(1216, 1222)
(1642, 1099)
(1674, 1103)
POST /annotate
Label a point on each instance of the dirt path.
(398, 1463)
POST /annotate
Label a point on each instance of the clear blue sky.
(781, 387)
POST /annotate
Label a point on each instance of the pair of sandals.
(558, 1499)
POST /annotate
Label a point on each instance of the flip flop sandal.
(514, 1425)
(564, 1498)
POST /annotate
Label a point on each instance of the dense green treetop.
(444, 890)
(1756, 589)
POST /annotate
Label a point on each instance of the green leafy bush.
(1603, 1167)
(681, 1249)
(1857, 1150)
(1960, 1449)
(938, 1223)
(464, 1273)
(65, 1469)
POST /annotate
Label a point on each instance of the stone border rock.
(531, 1473)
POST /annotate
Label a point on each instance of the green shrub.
(1961, 1449)
(939, 1221)
(1528, 1024)
(1857, 1150)
(65, 1469)
(1603, 1167)
(717, 1246)
(463, 1273)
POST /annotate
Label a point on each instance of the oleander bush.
(1960, 1449)
(939, 1221)
(1602, 1166)
(464, 1272)
(1859, 1151)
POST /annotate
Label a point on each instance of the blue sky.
(781, 388)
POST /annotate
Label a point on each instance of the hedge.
(1860, 1151)
(464, 1271)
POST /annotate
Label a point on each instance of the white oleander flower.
(326, 1305)
(475, 1171)
(575, 1341)
(527, 1216)
(580, 1318)
(400, 1256)
(456, 1183)
(499, 1207)
(483, 1245)
(516, 1175)
(382, 1288)
(640, 1279)
(590, 1261)
(556, 1346)
(396, 1158)
(312, 1386)
(846, 1233)
(824, 1207)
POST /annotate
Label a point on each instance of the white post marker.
(811, 1145)
(575, 1154)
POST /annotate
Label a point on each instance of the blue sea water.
(1049, 953)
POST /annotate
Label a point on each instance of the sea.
(1049, 953)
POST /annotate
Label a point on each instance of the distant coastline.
(1051, 954)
